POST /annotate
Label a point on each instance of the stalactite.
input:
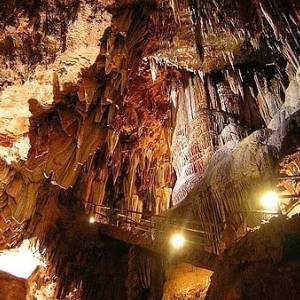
(230, 102)
(201, 132)
(90, 125)
(269, 96)
(213, 94)
(276, 16)
(153, 68)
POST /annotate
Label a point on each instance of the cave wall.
(262, 265)
(11, 287)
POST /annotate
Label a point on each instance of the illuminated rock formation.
(144, 115)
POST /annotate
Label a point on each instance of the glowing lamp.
(270, 200)
(177, 240)
(92, 220)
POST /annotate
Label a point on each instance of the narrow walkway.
(153, 232)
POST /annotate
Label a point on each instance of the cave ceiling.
(179, 108)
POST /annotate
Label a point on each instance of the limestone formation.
(147, 116)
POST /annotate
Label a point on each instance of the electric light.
(177, 240)
(20, 262)
(270, 200)
(92, 220)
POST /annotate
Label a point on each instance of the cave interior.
(150, 149)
